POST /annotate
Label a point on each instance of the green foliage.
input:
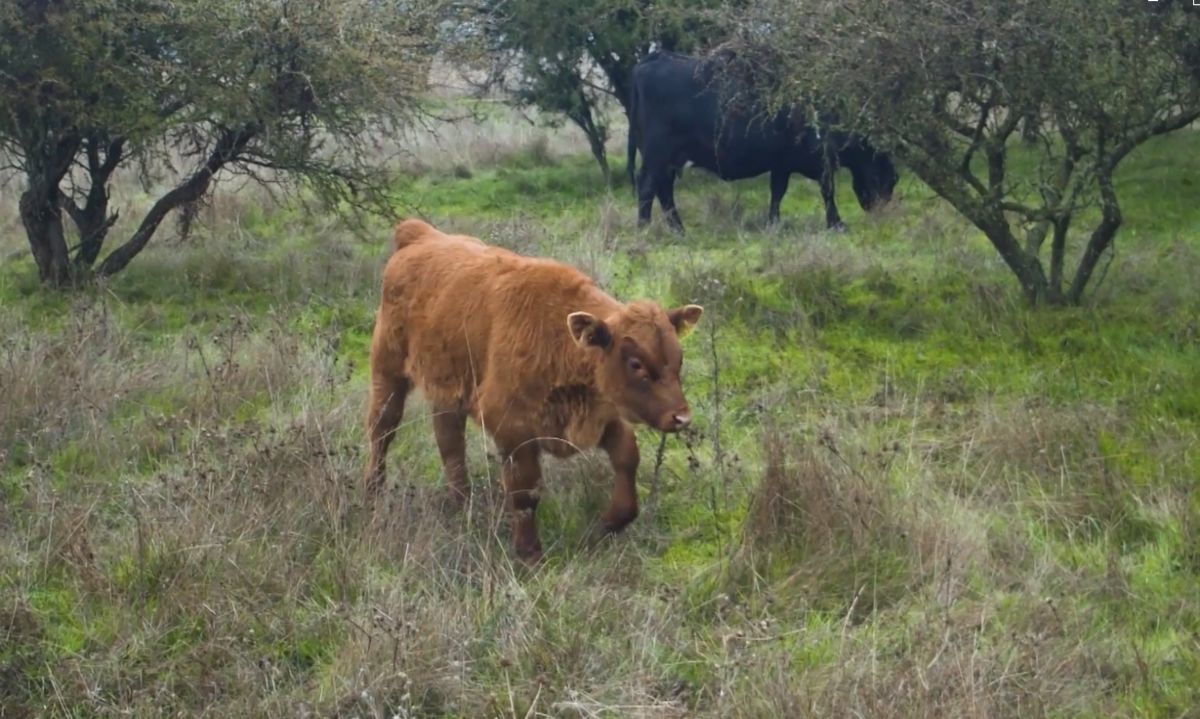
(1089, 81)
(289, 93)
(503, 190)
(572, 58)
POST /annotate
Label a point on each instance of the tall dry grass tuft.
(1066, 466)
(478, 135)
(972, 662)
(852, 544)
(65, 382)
(808, 502)
(870, 538)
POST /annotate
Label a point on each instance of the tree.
(543, 46)
(944, 84)
(570, 58)
(285, 91)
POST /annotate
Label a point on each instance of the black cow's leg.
(665, 187)
(645, 195)
(833, 221)
(779, 186)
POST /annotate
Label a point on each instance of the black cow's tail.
(631, 141)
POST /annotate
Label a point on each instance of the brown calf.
(530, 349)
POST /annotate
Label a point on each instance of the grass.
(906, 494)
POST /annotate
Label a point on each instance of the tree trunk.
(1025, 266)
(47, 163)
(1102, 235)
(93, 223)
(92, 220)
(228, 147)
(596, 143)
(1058, 250)
(596, 135)
(620, 76)
(1030, 127)
(42, 218)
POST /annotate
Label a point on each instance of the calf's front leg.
(621, 444)
(449, 428)
(520, 475)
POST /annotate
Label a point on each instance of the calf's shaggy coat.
(534, 352)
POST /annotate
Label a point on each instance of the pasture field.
(905, 494)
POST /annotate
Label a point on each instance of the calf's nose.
(681, 419)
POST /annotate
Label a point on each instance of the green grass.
(906, 493)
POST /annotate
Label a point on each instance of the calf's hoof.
(611, 522)
(456, 499)
(614, 520)
(530, 555)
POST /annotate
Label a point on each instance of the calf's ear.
(685, 318)
(588, 330)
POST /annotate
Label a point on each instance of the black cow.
(680, 111)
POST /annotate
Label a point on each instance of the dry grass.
(462, 144)
(902, 498)
(212, 558)
(916, 638)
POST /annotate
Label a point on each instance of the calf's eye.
(635, 365)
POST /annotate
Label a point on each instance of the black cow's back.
(686, 112)
(685, 109)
